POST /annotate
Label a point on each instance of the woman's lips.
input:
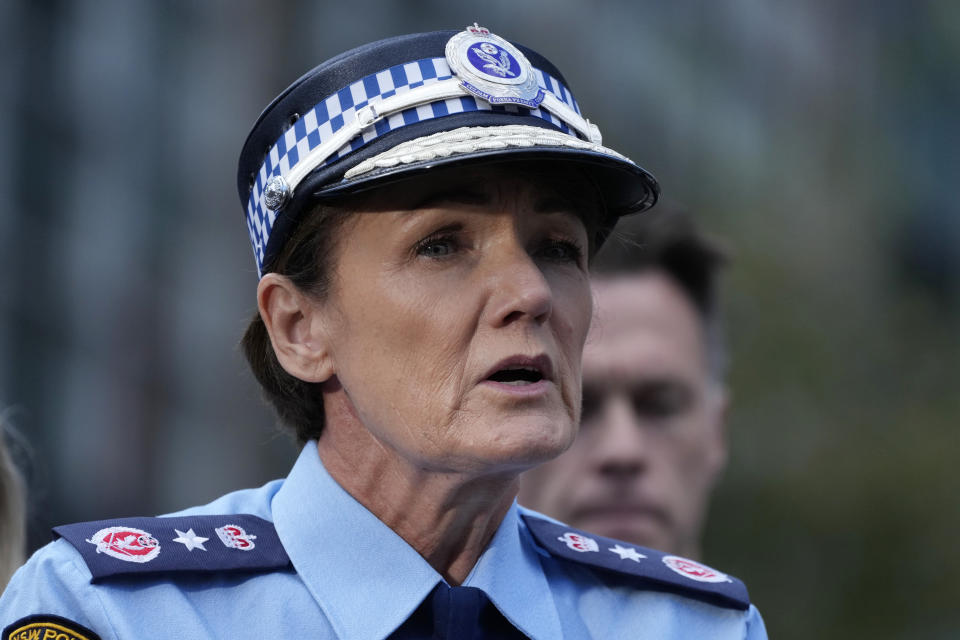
(540, 362)
(528, 389)
(521, 375)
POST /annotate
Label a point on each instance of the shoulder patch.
(206, 544)
(38, 627)
(654, 568)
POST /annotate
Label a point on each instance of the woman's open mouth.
(517, 377)
(521, 374)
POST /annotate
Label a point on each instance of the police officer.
(422, 210)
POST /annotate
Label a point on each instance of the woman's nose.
(519, 289)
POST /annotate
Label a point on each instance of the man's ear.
(297, 328)
(719, 409)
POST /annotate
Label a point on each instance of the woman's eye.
(561, 251)
(437, 247)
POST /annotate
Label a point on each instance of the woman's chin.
(522, 442)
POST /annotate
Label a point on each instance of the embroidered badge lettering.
(47, 627)
(235, 537)
(126, 543)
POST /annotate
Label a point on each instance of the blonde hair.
(12, 514)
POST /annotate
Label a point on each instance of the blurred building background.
(819, 138)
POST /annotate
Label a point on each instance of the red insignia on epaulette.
(126, 543)
(694, 570)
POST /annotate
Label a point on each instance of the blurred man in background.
(652, 439)
(12, 514)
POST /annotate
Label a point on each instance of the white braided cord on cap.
(467, 140)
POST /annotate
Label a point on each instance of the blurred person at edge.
(12, 513)
(652, 441)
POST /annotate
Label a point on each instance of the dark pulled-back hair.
(666, 239)
(307, 260)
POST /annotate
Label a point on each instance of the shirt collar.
(510, 573)
(364, 576)
(333, 540)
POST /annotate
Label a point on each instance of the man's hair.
(667, 240)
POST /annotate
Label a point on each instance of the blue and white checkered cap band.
(331, 115)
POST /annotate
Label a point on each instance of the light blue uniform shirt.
(353, 577)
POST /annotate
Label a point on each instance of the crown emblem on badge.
(234, 537)
(492, 68)
(579, 542)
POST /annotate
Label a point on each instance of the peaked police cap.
(399, 107)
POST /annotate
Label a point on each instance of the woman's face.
(457, 317)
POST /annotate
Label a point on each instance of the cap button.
(276, 192)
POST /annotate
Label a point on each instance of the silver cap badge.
(491, 68)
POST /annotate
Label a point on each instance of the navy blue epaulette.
(652, 568)
(206, 544)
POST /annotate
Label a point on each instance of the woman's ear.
(296, 326)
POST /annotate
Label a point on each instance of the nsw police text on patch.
(41, 631)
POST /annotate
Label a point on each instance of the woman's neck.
(449, 518)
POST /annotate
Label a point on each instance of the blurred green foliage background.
(818, 139)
